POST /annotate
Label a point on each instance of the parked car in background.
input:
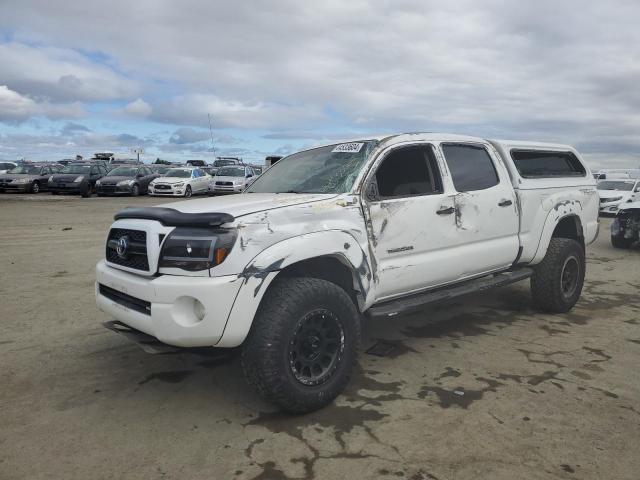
(181, 182)
(257, 170)
(196, 163)
(126, 180)
(625, 229)
(224, 161)
(232, 179)
(6, 166)
(272, 160)
(28, 177)
(210, 170)
(77, 178)
(160, 169)
(615, 193)
(379, 227)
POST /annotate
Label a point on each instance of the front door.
(412, 220)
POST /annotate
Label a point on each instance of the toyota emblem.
(122, 246)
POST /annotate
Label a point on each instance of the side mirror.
(372, 192)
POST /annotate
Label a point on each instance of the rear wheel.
(303, 344)
(557, 281)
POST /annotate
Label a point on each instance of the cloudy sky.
(80, 77)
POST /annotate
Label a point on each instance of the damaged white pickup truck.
(330, 235)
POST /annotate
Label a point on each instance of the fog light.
(199, 309)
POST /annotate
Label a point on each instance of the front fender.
(263, 269)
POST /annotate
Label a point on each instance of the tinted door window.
(408, 171)
(471, 167)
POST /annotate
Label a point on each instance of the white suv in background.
(181, 182)
(614, 193)
(232, 179)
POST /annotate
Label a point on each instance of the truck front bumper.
(177, 310)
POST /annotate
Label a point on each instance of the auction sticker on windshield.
(347, 148)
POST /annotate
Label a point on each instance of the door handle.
(505, 203)
(445, 211)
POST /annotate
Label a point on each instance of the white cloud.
(562, 71)
(60, 74)
(17, 108)
(138, 108)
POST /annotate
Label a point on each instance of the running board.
(148, 343)
(417, 301)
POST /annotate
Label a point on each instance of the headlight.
(51, 178)
(98, 182)
(125, 183)
(79, 179)
(22, 180)
(196, 249)
(181, 184)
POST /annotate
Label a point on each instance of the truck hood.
(246, 203)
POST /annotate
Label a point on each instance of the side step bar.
(146, 342)
(417, 301)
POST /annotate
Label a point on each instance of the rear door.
(486, 214)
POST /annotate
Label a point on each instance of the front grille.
(162, 187)
(136, 257)
(225, 183)
(107, 188)
(125, 300)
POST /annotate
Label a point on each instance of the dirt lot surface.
(483, 388)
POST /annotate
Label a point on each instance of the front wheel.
(557, 281)
(135, 191)
(35, 188)
(187, 191)
(303, 344)
(87, 192)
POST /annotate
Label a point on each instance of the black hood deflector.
(170, 217)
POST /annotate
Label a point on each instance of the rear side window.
(408, 171)
(471, 167)
(538, 164)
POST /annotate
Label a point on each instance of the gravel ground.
(484, 387)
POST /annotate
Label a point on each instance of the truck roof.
(451, 137)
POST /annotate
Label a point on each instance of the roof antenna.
(213, 147)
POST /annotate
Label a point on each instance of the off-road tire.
(547, 287)
(266, 360)
(35, 187)
(621, 242)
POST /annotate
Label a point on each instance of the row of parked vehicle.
(103, 178)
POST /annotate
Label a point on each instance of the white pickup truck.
(330, 235)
